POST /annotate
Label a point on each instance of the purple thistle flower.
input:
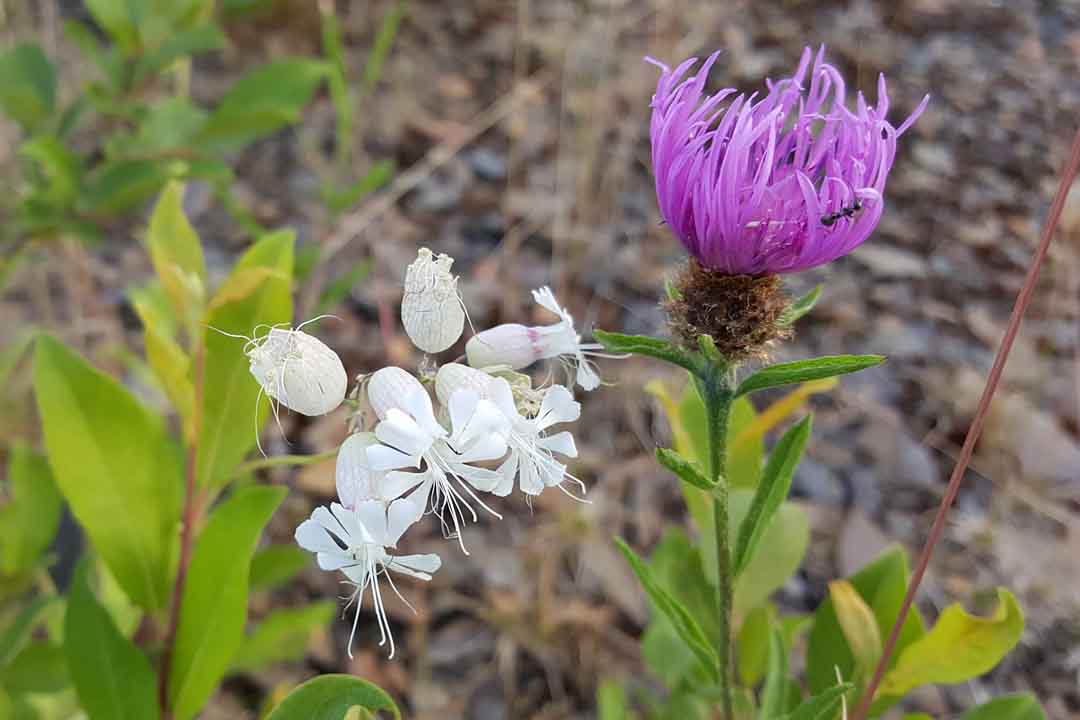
(773, 185)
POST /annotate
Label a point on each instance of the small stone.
(487, 164)
(886, 261)
(816, 482)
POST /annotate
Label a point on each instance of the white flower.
(411, 437)
(431, 309)
(356, 542)
(531, 450)
(519, 346)
(298, 371)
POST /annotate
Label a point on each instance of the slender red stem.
(192, 509)
(1023, 299)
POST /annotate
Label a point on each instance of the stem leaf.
(685, 625)
(771, 491)
(800, 307)
(687, 470)
(775, 690)
(647, 346)
(805, 370)
(330, 697)
(822, 706)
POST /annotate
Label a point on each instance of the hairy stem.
(191, 512)
(717, 396)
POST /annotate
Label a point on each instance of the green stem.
(279, 460)
(717, 394)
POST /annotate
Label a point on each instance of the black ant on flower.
(843, 212)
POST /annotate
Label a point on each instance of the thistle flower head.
(780, 183)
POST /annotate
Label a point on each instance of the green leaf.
(229, 415)
(330, 697)
(28, 92)
(611, 701)
(117, 186)
(116, 466)
(752, 645)
(283, 635)
(341, 200)
(86, 40)
(823, 706)
(166, 127)
(685, 470)
(804, 370)
(214, 605)
(1022, 706)
(684, 623)
(882, 585)
(675, 564)
(745, 458)
(859, 626)
(178, 45)
(957, 648)
(779, 552)
(17, 634)
(277, 564)
(775, 690)
(60, 169)
(271, 97)
(800, 307)
(39, 668)
(647, 346)
(177, 255)
(170, 363)
(118, 18)
(771, 491)
(112, 677)
(31, 516)
(380, 49)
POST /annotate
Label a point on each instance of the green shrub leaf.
(775, 690)
(823, 706)
(282, 635)
(276, 564)
(681, 619)
(177, 255)
(17, 633)
(215, 598)
(859, 626)
(112, 677)
(752, 645)
(771, 492)
(266, 100)
(957, 648)
(28, 92)
(779, 552)
(800, 307)
(804, 370)
(31, 516)
(1022, 706)
(230, 422)
(330, 697)
(115, 465)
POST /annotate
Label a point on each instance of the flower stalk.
(717, 391)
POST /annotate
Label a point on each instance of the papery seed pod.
(454, 376)
(298, 371)
(431, 310)
(386, 388)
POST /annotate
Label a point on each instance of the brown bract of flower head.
(741, 313)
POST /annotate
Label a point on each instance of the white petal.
(397, 483)
(313, 537)
(462, 407)
(401, 431)
(334, 561)
(562, 443)
(406, 512)
(370, 515)
(381, 457)
(474, 420)
(530, 478)
(489, 447)
(558, 406)
(323, 517)
(502, 395)
(546, 299)
(355, 479)
(417, 403)
(586, 376)
(482, 479)
(507, 472)
(418, 566)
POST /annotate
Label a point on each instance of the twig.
(192, 509)
(1023, 299)
(279, 460)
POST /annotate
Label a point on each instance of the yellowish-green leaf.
(779, 553)
(330, 697)
(1021, 706)
(859, 626)
(752, 646)
(231, 417)
(282, 635)
(170, 363)
(29, 519)
(116, 465)
(957, 648)
(177, 255)
(242, 284)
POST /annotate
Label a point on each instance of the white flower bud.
(453, 377)
(387, 388)
(298, 371)
(431, 309)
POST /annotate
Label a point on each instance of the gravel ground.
(520, 134)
